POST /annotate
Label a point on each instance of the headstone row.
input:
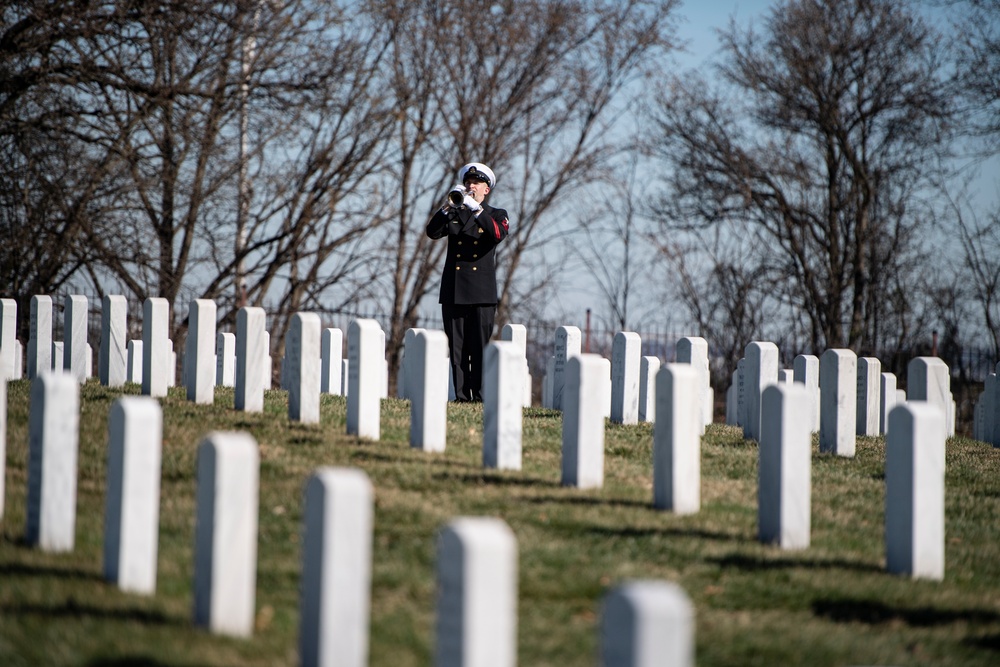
(628, 394)
(225, 568)
(642, 622)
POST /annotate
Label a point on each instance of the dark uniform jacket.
(470, 275)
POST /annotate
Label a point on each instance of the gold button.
(458, 257)
(473, 268)
(457, 268)
(475, 243)
(459, 243)
(480, 230)
(475, 256)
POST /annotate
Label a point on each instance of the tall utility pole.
(248, 54)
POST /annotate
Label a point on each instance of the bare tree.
(354, 120)
(53, 182)
(980, 243)
(613, 247)
(726, 288)
(977, 80)
(824, 129)
(141, 106)
(977, 27)
(532, 95)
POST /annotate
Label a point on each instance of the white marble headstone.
(268, 362)
(225, 552)
(784, 475)
(518, 334)
(75, 337)
(928, 379)
(731, 399)
(132, 502)
(914, 490)
(251, 352)
(427, 376)
(583, 423)
(302, 358)
(741, 393)
(225, 359)
(567, 345)
(336, 568)
(57, 356)
(155, 348)
(869, 392)
(805, 371)
(693, 350)
(40, 336)
(677, 440)
(332, 351)
(604, 386)
(113, 368)
(477, 594)
(405, 386)
(503, 394)
(887, 399)
(8, 334)
(366, 378)
(838, 383)
(53, 437)
(648, 368)
(548, 381)
(761, 370)
(133, 371)
(384, 373)
(626, 351)
(199, 352)
(647, 624)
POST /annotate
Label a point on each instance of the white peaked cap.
(481, 168)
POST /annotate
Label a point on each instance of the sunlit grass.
(832, 604)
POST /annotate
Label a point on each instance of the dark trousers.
(469, 329)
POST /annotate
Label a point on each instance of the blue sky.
(700, 19)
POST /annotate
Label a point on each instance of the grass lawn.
(832, 604)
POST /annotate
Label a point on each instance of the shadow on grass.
(666, 531)
(130, 661)
(306, 440)
(379, 457)
(585, 500)
(731, 443)
(759, 564)
(846, 610)
(988, 642)
(497, 479)
(21, 569)
(71, 608)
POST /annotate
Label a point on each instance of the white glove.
(472, 204)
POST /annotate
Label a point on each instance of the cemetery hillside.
(694, 362)
(832, 521)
